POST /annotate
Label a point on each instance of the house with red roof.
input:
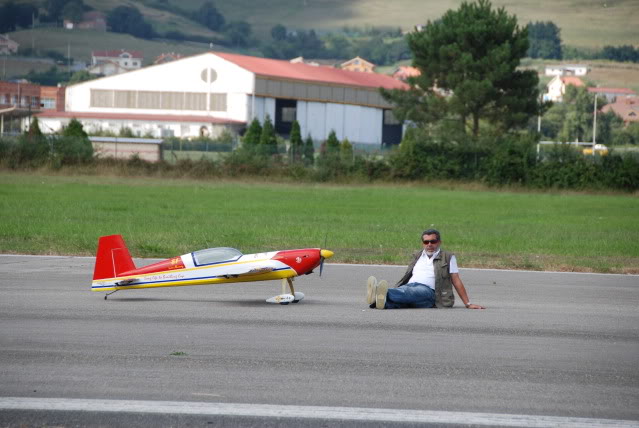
(207, 93)
(557, 87)
(403, 72)
(358, 64)
(113, 62)
(627, 108)
(612, 94)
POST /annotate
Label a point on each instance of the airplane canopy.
(215, 255)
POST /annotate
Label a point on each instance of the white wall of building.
(177, 76)
(262, 106)
(357, 123)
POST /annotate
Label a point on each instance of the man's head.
(431, 241)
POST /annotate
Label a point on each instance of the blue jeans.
(413, 295)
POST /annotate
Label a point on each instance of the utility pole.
(594, 127)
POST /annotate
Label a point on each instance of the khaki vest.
(444, 296)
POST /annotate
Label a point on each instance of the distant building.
(315, 62)
(21, 95)
(93, 20)
(613, 94)
(567, 70)
(17, 100)
(626, 108)
(8, 46)
(113, 62)
(557, 87)
(403, 72)
(52, 98)
(358, 64)
(167, 57)
(214, 92)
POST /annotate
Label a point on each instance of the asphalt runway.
(551, 349)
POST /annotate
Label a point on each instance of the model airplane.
(115, 270)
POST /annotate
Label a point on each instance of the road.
(564, 346)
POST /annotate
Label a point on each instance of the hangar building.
(206, 93)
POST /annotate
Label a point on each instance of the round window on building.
(208, 75)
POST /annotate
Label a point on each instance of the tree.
(129, 20)
(252, 136)
(81, 76)
(73, 11)
(346, 151)
(332, 143)
(545, 41)
(296, 142)
(472, 54)
(278, 32)
(309, 151)
(577, 124)
(238, 33)
(74, 146)
(268, 141)
(209, 16)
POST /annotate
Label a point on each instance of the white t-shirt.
(424, 271)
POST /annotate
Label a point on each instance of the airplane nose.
(327, 254)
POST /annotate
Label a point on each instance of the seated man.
(428, 281)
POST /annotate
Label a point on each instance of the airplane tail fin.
(112, 257)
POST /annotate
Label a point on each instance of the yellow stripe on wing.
(280, 274)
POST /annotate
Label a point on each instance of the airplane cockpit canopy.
(215, 255)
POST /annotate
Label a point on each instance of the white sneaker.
(371, 290)
(380, 294)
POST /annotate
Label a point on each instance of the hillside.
(584, 23)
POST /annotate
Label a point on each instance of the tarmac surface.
(551, 349)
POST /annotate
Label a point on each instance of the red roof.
(309, 73)
(612, 91)
(575, 81)
(136, 116)
(116, 53)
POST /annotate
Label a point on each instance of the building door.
(391, 129)
(285, 114)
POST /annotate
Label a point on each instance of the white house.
(567, 70)
(114, 62)
(206, 93)
(557, 87)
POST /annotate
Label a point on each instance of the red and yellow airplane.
(115, 270)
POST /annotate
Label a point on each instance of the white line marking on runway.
(306, 412)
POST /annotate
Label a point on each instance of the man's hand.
(474, 306)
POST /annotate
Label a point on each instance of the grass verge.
(47, 214)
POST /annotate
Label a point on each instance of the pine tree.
(252, 136)
(346, 151)
(473, 54)
(332, 143)
(309, 151)
(268, 141)
(296, 142)
(74, 146)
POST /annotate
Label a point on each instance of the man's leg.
(371, 290)
(413, 295)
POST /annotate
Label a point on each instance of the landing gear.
(286, 298)
(108, 294)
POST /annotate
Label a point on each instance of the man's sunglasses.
(432, 241)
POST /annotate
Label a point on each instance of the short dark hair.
(432, 232)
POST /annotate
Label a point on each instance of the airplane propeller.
(324, 254)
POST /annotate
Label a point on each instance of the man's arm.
(461, 291)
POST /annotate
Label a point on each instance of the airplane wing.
(250, 272)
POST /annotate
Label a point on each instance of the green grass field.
(48, 214)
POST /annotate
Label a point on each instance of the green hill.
(584, 23)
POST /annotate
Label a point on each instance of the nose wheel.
(286, 298)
